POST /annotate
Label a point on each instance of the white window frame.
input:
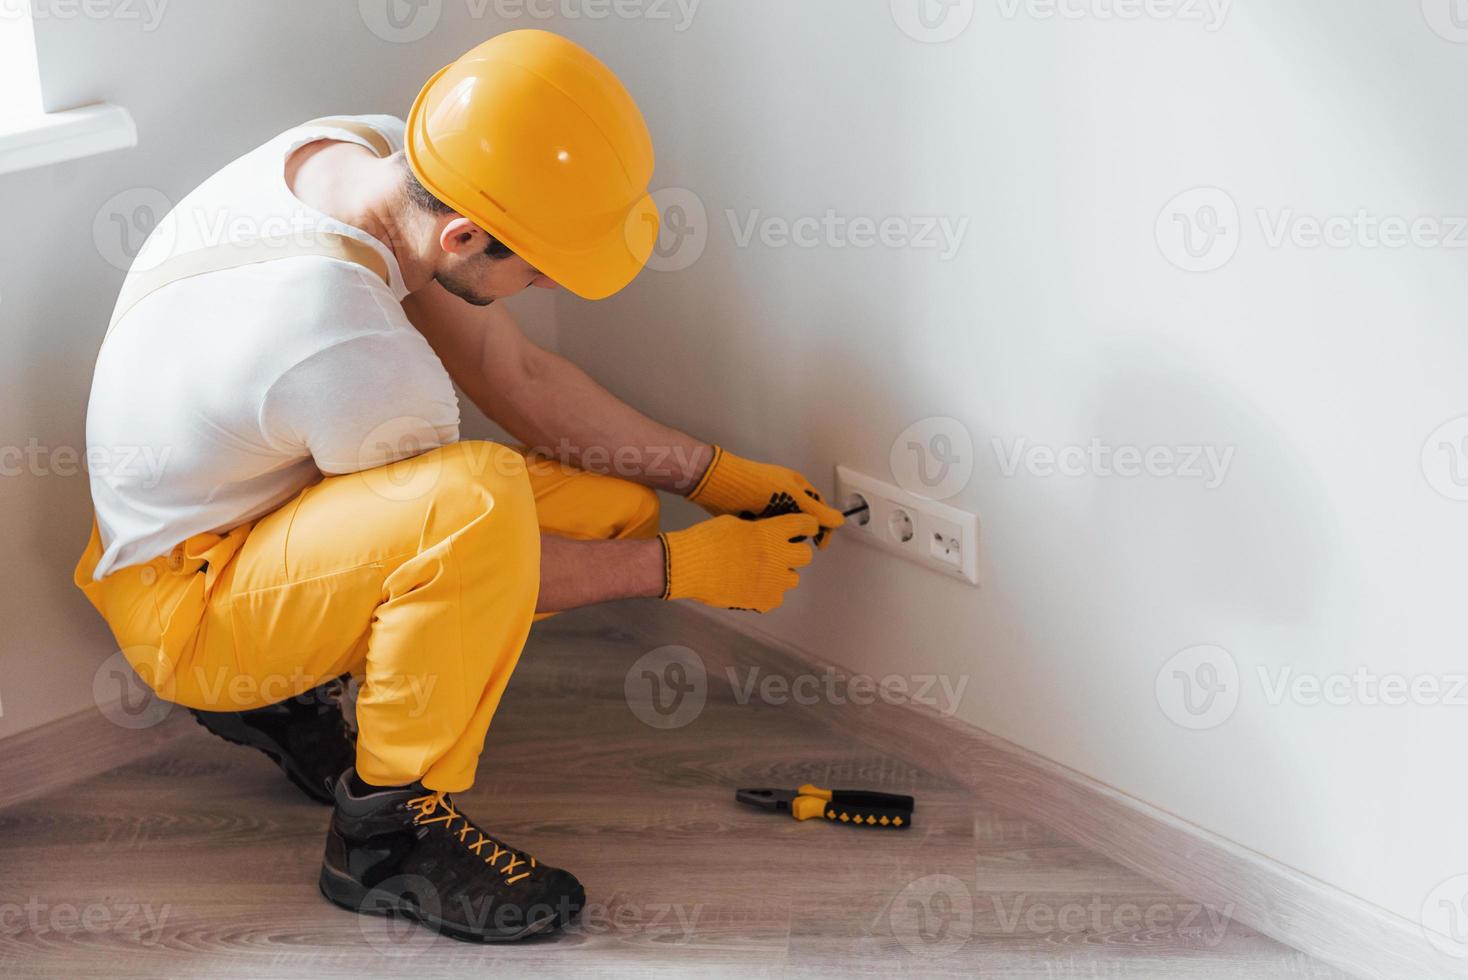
(29, 135)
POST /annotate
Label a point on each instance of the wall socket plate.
(926, 532)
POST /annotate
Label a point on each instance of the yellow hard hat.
(537, 142)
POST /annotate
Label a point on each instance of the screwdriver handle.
(780, 509)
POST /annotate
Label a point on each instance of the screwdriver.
(789, 506)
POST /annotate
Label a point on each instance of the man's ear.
(460, 236)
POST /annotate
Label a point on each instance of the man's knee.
(469, 479)
(634, 510)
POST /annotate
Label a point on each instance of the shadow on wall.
(1247, 538)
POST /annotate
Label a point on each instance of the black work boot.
(305, 735)
(409, 851)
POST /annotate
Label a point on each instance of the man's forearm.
(560, 411)
(583, 573)
(547, 402)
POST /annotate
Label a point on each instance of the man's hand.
(738, 564)
(744, 488)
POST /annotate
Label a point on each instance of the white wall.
(1323, 369)
(205, 81)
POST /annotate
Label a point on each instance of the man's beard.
(459, 289)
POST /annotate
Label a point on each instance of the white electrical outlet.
(927, 532)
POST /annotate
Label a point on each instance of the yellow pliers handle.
(856, 808)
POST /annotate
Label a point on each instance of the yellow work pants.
(421, 577)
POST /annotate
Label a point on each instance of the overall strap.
(233, 255)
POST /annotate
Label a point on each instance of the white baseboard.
(52, 756)
(1272, 898)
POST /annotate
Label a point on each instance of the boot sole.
(235, 732)
(354, 897)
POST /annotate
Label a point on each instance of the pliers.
(854, 807)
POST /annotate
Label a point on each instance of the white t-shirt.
(219, 397)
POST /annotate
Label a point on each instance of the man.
(318, 515)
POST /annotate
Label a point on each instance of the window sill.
(45, 138)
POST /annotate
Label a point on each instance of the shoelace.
(436, 809)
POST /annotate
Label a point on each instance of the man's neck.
(349, 183)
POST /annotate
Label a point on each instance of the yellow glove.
(735, 485)
(737, 564)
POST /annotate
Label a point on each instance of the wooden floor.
(201, 860)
